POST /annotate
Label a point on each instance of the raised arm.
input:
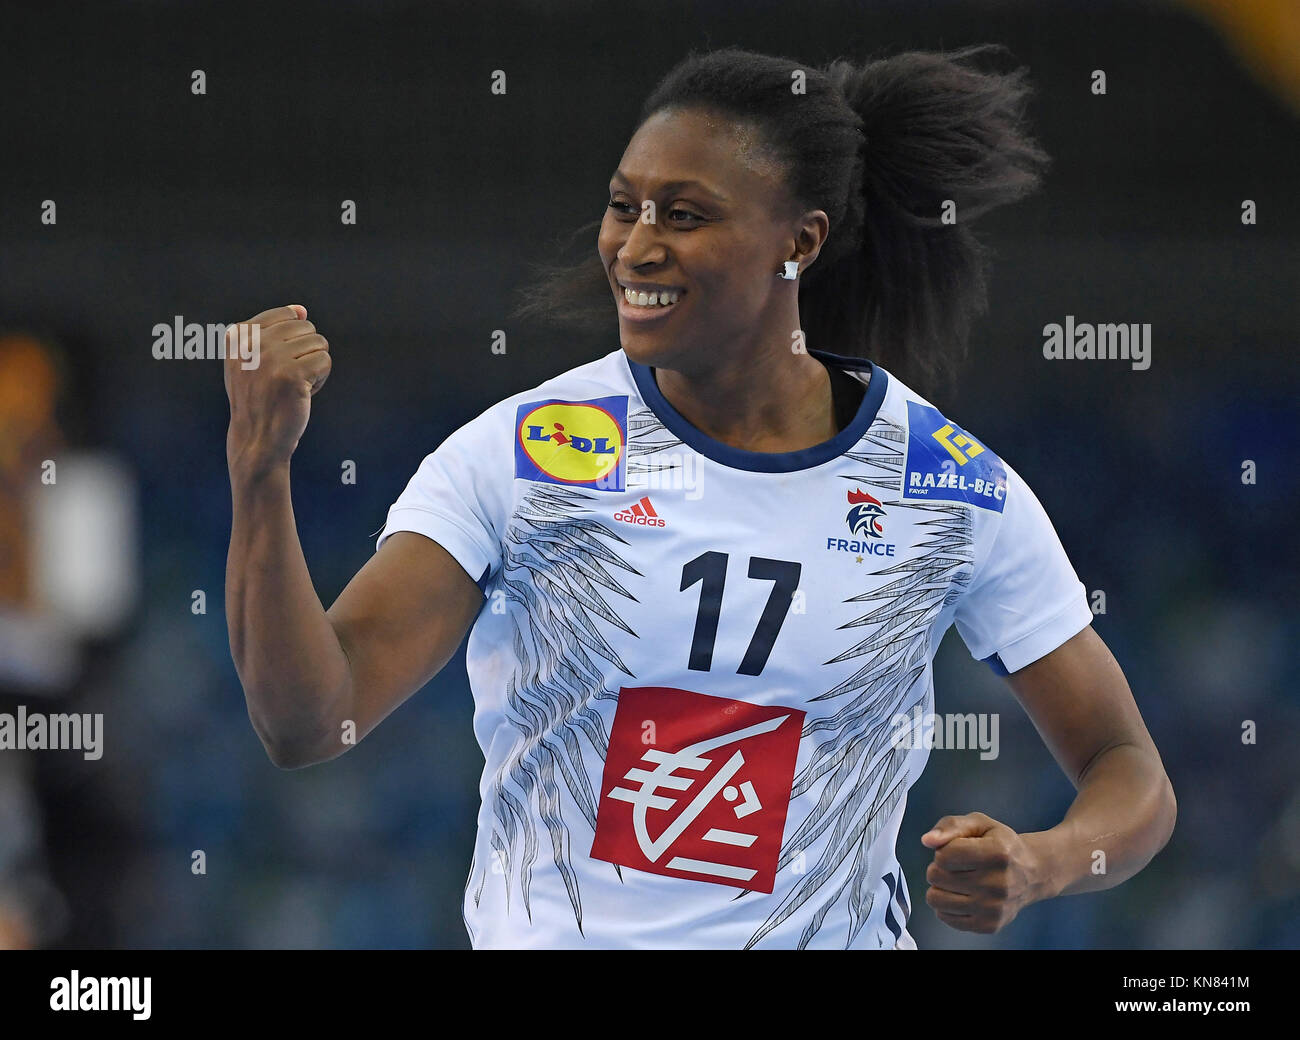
(308, 673)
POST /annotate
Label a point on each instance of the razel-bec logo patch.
(945, 462)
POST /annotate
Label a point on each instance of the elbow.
(284, 755)
(296, 746)
(298, 754)
(1169, 812)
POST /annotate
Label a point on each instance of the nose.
(639, 248)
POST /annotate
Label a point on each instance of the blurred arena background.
(216, 206)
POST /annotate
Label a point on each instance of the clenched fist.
(983, 873)
(270, 404)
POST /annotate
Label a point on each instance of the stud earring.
(791, 271)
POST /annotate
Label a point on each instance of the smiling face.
(724, 224)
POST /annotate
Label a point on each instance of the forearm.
(1122, 815)
(294, 671)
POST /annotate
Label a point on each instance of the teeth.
(659, 299)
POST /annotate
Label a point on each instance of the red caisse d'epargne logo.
(697, 786)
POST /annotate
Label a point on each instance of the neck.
(773, 401)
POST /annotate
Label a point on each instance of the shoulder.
(944, 461)
(571, 429)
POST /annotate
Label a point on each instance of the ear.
(811, 230)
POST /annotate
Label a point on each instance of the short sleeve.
(1025, 599)
(455, 497)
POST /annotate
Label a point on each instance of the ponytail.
(943, 144)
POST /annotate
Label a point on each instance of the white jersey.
(692, 661)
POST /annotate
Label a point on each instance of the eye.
(627, 208)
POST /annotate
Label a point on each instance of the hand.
(983, 873)
(270, 404)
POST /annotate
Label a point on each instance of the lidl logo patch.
(583, 443)
(945, 462)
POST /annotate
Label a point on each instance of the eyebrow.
(672, 186)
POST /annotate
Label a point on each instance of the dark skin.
(316, 681)
(724, 359)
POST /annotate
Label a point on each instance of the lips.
(658, 312)
(648, 287)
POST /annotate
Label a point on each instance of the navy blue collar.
(761, 461)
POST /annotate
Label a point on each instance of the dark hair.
(879, 147)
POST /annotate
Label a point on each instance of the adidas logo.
(642, 514)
